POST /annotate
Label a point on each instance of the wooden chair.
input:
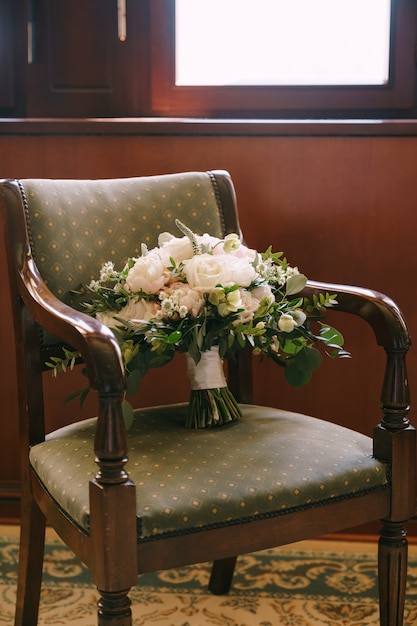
(128, 504)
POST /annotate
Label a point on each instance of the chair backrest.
(74, 226)
(64, 230)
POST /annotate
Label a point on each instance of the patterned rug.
(312, 583)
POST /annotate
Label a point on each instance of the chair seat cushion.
(268, 463)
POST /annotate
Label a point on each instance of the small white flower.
(231, 243)
(179, 298)
(275, 344)
(286, 323)
(299, 317)
(216, 296)
(94, 285)
(226, 302)
(107, 272)
(183, 311)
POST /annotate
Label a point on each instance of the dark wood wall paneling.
(60, 59)
(7, 59)
(342, 208)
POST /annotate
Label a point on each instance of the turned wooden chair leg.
(31, 553)
(222, 575)
(114, 608)
(392, 570)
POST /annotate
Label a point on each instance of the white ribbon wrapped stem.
(208, 373)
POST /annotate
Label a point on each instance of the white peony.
(108, 319)
(140, 310)
(242, 252)
(208, 243)
(149, 274)
(181, 295)
(241, 269)
(177, 248)
(250, 305)
(263, 291)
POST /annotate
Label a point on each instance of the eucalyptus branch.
(62, 364)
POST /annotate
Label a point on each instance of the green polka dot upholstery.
(77, 225)
(270, 462)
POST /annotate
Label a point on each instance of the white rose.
(149, 274)
(206, 271)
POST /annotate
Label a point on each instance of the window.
(149, 73)
(279, 58)
(276, 42)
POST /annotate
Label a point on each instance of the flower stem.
(211, 407)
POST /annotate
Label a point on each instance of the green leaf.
(73, 395)
(223, 346)
(331, 336)
(127, 410)
(291, 346)
(174, 336)
(194, 352)
(296, 377)
(81, 393)
(159, 360)
(133, 382)
(308, 359)
(295, 284)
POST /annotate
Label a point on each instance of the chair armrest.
(95, 341)
(379, 311)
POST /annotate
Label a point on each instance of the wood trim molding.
(211, 127)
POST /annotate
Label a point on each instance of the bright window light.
(282, 42)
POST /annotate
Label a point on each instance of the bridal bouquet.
(208, 298)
